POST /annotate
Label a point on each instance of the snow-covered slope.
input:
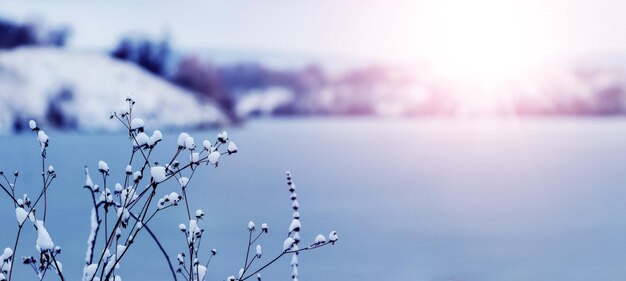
(31, 77)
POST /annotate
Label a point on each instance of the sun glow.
(481, 46)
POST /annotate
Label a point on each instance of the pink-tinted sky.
(439, 29)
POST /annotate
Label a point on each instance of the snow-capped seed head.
(50, 169)
(259, 251)
(43, 138)
(296, 215)
(130, 98)
(213, 252)
(319, 239)
(161, 204)
(20, 202)
(6, 255)
(156, 137)
(158, 174)
(289, 242)
(129, 170)
(172, 198)
(21, 215)
(33, 260)
(201, 272)
(199, 213)
(44, 242)
(232, 148)
(295, 225)
(251, 225)
(230, 278)
(264, 227)
(136, 124)
(137, 175)
(182, 227)
(195, 157)
(183, 181)
(190, 143)
(207, 145)
(88, 181)
(333, 237)
(33, 125)
(296, 236)
(90, 272)
(103, 167)
(118, 188)
(141, 140)
(194, 231)
(214, 157)
(222, 137)
(28, 260)
(181, 258)
(181, 139)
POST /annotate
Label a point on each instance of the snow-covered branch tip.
(290, 244)
(26, 213)
(126, 197)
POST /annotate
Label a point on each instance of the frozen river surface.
(411, 200)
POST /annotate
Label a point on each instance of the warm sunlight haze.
(431, 140)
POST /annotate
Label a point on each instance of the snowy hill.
(84, 88)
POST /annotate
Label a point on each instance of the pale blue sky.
(371, 28)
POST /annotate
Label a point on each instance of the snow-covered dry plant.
(122, 212)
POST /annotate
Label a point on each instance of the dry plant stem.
(15, 244)
(43, 177)
(93, 243)
(191, 260)
(245, 263)
(156, 240)
(10, 195)
(17, 238)
(128, 241)
(136, 203)
(57, 267)
(186, 202)
(282, 254)
(108, 239)
(263, 267)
